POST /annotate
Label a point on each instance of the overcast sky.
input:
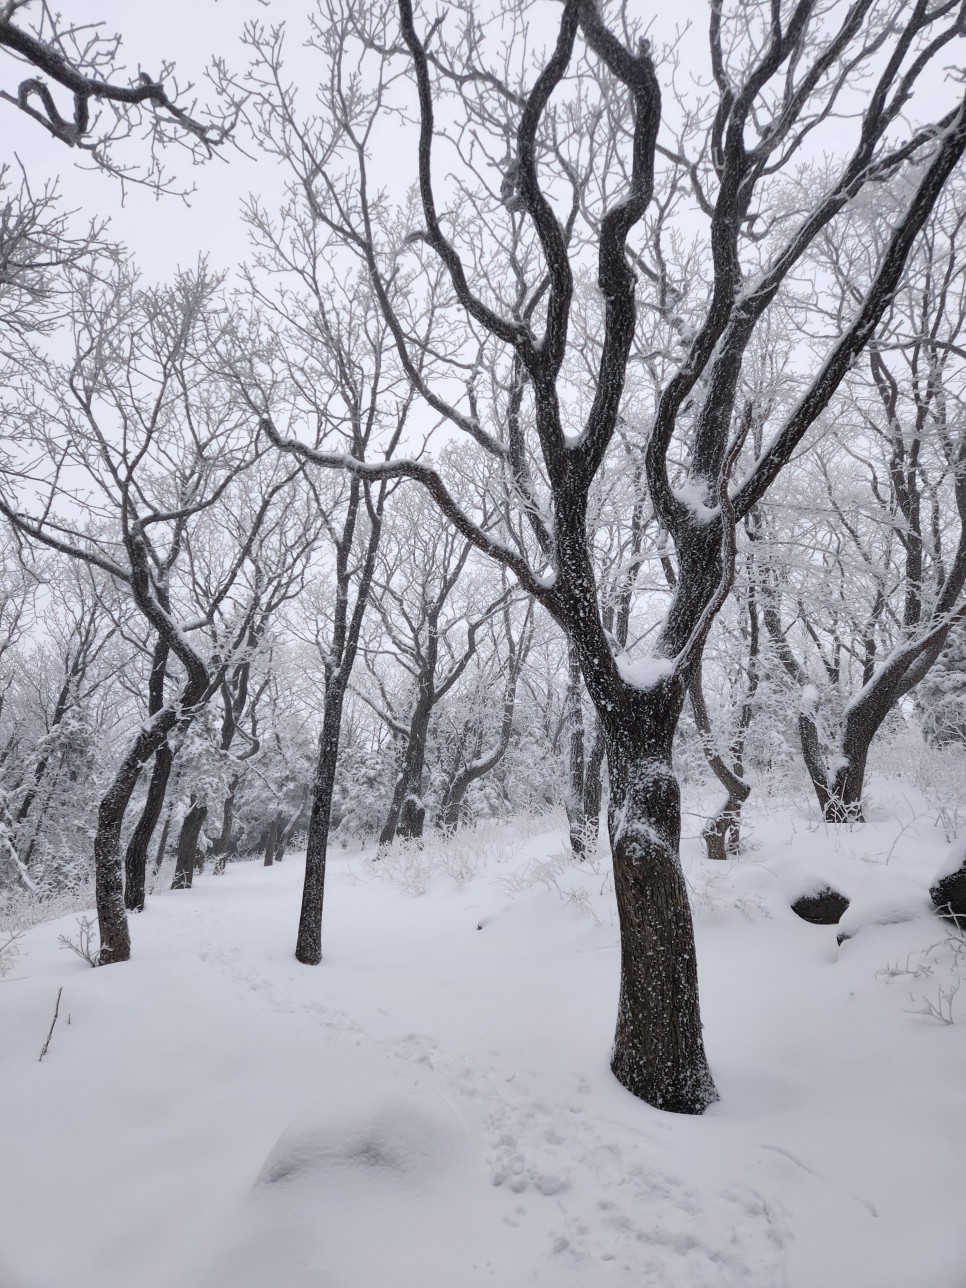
(189, 32)
(162, 233)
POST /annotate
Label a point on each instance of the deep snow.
(432, 1105)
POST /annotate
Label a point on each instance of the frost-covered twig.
(83, 948)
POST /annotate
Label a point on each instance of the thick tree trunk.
(839, 792)
(412, 817)
(844, 802)
(108, 862)
(722, 832)
(658, 1048)
(308, 945)
(407, 813)
(108, 866)
(136, 857)
(184, 869)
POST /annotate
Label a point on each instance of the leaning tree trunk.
(108, 866)
(108, 862)
(184, 869)
(658, 1049)
(308, 944)
(722, 832)
(136, 857)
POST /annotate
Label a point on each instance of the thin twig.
(52, 1023)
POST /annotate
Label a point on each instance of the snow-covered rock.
(823, 907)
(948, 889)
(890, 905)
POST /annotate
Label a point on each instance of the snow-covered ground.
(432, 1107)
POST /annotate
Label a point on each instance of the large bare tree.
(540, 161)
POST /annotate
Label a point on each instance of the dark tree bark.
(108, 863)
(271, 842)
(407, 812)
(593, 781)
(85, 64)
(838, 789)
(574, 800)
(285, 830)
(658, 1052)
(188, 838)
(338, 661)
(136, 857)
(223, 842)
(308, 948)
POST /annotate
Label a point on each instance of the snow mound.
(885, 897)
(399, 1142)
(311, 1220)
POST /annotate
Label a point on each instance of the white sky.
(166, 234)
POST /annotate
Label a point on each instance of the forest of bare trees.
(575, 428)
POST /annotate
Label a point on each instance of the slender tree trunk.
(285, 832)
(574, 802)
(722, 832)
(308, 945)
(658, 1050)
(162, 844)
(136, 857)
(593, 785)
(270, 842)
(194, 821)
(223, 843)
